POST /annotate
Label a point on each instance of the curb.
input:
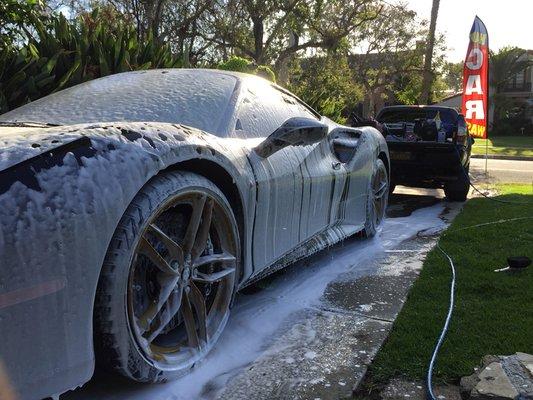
(498, 157)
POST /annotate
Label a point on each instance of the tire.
(377, 198)
(158, 314)
(391, 189)
(458, 190)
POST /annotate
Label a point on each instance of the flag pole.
(486, 153)
(487, 110)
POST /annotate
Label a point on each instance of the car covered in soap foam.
(134, 206)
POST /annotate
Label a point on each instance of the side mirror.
(297, 131)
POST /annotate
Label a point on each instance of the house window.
(519, 79)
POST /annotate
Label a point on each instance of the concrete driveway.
(309, 331)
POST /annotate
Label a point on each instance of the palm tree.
(428, 57)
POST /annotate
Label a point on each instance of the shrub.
(239, 64)
(512, 127)
(63, 54)
(327, 85)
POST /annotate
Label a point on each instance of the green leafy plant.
(62, 53)
(240, 64)
(327, 85)
(16, 19)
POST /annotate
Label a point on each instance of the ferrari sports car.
(134, 206)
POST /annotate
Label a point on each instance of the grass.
(515, 188)
(493, 312)
(505, 145)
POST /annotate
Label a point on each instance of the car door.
(298, 187)
(356, 152)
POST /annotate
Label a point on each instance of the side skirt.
(327, 237)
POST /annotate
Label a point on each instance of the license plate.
(401, 155)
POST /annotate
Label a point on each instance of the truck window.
(413, 114)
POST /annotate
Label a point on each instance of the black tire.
(135, 292)
(377, 198)
(458, 190)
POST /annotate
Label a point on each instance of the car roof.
(200, 72)
(240, 76)
(158, 71)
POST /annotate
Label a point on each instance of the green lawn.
(493, 312)
(505, 145)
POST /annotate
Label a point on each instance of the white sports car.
(134, 206)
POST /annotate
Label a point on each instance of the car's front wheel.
(377, 198)
(168, 279)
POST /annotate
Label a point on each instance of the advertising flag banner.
(476, 80)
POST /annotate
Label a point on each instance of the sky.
(508, 22)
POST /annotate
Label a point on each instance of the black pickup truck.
(429, 147)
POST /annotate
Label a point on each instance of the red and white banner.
(476, 81)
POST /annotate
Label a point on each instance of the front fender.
(56, 221)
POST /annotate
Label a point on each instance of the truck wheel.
(458, 190)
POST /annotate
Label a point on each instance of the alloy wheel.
(380, 193)
(182, 279)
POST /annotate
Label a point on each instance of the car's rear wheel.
(168, 279)
(377, 198)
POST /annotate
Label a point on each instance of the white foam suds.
(257, 318)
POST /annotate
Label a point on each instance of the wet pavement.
(353, 318)
(311, 330)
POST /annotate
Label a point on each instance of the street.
(310, 330)
(503, 170)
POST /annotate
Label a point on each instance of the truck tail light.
(462, 131)
(461, 134)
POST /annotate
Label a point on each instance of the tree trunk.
(258, 29)
(282, 71)
(428, 57)
(371, 112)
(156, 20)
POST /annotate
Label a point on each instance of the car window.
(264, 108)
(300, 108)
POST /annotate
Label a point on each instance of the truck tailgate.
(425, 152)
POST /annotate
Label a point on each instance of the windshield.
(411, 114)
(198, 98)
